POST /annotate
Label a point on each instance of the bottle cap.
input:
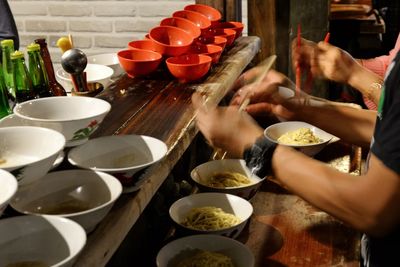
(7, 42)
(17, 54)
(33, 47)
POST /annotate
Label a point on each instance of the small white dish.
(109, 60)
(120, 155)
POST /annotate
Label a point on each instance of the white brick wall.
(97, 26)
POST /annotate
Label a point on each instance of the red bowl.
(229, 34)
(211, 13)
(171, 41)
(139, 62)
(215, 40)
(184, 24)
(199, 19)
(145, 44)
(189, 67)
(235, 25)
(214, 51)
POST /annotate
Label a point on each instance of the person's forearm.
(346, 197)
(348, 123)
(367, 82)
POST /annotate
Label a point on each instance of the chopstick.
(309, 80)
(298, 69)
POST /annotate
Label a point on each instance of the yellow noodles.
(209, 218)
(301, 136)
(228, 179)
(207, 258)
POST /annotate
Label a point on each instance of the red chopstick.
(309, 80)
(298, 69)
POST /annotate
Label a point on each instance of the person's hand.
(333, 63)
(302, 56)
(265, 99)
(226, 127)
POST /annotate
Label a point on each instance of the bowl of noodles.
(229, 176)
(302, 136)
(205, 250)
(211, 213)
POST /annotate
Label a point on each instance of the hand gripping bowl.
(178, 250)
(75, 117)
(28, 153)
(83, 196)
(40, 241)
(201, 176)
(119, 155)
(276, 130)
(232, 204)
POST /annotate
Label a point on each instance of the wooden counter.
(157, 106)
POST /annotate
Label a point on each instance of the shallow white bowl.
(75, 117)
(8, 188)
(29, 152)
(94, 72)
(84, 196)
(180, 249)
(202, 173)
(51, 240)
(235, 205)
(119, 155)
(109, 60)
(276, 130)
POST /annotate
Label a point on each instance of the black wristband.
(258, 157)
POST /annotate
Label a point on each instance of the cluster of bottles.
(19, 81)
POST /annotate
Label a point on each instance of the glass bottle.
(54, 86)
(37, 72)
(7, 47)
(4, 105)
(22, 82)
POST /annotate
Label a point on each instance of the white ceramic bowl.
(119, 155)
(179, 249)
(276, 130)
(29, 152)
(50, 240)
(94, 72)
(109, 60)
(84, 196)
(75, 117)
(235, 205)
(8, 188)
(202, 173)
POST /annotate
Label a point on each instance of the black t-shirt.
(386, 146)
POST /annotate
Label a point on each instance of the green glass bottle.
(37, 71)
(7, 47)
(22, 82)
(4, 105)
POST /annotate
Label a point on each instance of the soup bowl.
(203, 175)
(139, 62)
(189, 68)
(214, 40)
(229, 34)
(197, 18)
(171, 41)
(40, 241)
(9, 186)
(28, 153)
(184, 24)
(75, 117)
(231, 204)
(119, 155)
(211, 13)
(183, 248)
(235, 25)
(109, 60)
(276, 130)
(213, 51)
(84, 196)
(145, 44)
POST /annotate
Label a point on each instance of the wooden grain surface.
(160, 107)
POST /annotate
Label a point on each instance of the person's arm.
(368, 202)
(8, 29)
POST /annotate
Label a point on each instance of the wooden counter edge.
(109, 234)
